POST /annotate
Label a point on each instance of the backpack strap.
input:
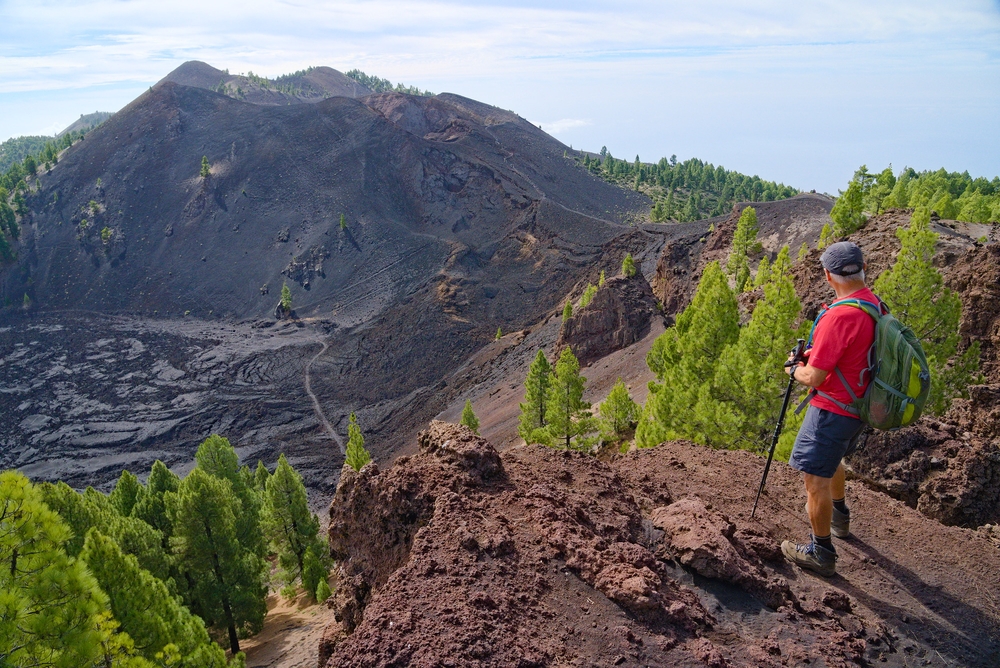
(876, 311)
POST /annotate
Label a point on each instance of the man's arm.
(807, 374)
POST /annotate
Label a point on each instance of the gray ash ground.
(84, 396)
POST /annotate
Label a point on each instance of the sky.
(797, 92)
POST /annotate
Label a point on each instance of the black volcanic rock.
(618, 316)
(198, 74)
(459, 218)
(313, 85)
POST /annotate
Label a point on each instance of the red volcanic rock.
(707, 543)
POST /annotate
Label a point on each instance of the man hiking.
(838, 356)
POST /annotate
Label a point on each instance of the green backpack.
(900, 377)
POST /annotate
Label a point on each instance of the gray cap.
(843, 258)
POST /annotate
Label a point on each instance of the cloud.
(754, 85)
(562, 125)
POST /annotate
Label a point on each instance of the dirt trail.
(315, 401)
(291, 634)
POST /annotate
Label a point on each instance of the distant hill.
(87, 122)
(313, 84)
(15, 149)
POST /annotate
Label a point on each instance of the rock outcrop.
(708, 543)
(619, 315)
(462, 556)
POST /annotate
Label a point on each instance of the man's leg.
(840, 525)
(818, 554)
(820, 502)
(837, 484)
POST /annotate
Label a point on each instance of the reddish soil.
(463, 556)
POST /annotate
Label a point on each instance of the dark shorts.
(824, 439)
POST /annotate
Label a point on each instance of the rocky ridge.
(463, 556)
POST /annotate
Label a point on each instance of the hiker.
(838, 356)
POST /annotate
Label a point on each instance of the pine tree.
(600, 281)
(357, 456)
(628, 266)
(151, 508)
(763, 272)
(137, 538)
(848, 211)
(536, 387)
(260, 477)
(914, 290)
(288, 524)
(565, 409)
(323, 591)
(588, 295)
(469, 418)
(684, 359)
(286, 298)
(50, 604)
(803, 251)
(742, 407)
(217, 457)
(744, 244)
(343, 222)
(825, 237)
(228, 579)
(315, 570)
(146, 610)
(80, 513)
(879, 191)
(618, 412)
(74, 510)
(116, 648)
(206, 168)
(127, 492)
(499, 334)
(567, 311)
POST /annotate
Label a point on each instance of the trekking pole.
(796, 358)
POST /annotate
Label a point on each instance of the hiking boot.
(811, 556)
(840, 524)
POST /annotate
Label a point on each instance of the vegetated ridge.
(683, 191)
(16, 149)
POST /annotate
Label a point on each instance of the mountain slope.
(458, 218)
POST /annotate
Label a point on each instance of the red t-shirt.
(842, 340)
